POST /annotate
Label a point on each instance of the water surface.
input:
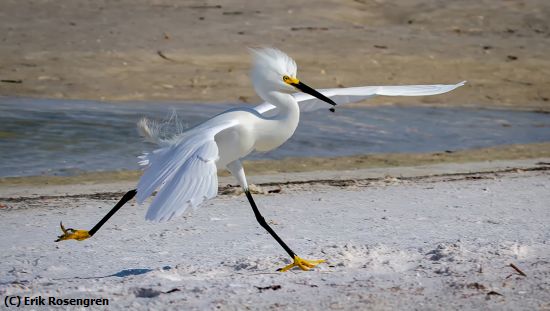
(64, 137)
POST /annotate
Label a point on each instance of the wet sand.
(312, 164)
(196, 51)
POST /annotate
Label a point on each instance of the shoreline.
(269, 176)
(311, 164)
(423, 174)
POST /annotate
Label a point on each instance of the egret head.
(274, 71)
(268, 69)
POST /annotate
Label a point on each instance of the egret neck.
(277, 129)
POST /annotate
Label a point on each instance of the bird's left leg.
(303, 264)
(237, 170)
(79, 235)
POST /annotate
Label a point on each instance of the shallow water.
(62, 137)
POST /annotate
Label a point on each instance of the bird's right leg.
(79, 235)
(237, 170)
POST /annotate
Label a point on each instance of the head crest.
(274, 60)
(269, 66)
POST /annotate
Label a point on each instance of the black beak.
(306, 89)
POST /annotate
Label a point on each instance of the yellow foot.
(302, 264)
(72, 234)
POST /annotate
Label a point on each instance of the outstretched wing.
(349, 95)
(184, 173)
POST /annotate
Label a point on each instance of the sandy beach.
(434, 237)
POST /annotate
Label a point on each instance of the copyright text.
(22, 301)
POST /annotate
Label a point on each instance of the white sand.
(422, 243)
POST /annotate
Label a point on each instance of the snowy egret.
(183, 170)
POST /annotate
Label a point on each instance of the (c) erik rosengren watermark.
(22, 301)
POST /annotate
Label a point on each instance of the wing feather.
(186, 188)
(356, 94)
(184, 173)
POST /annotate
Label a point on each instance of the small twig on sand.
(272, 287)
(159, 52)
(494, 293)
(11, 81)
(205, 6)
(518, 270)
(172, 291)
(308, 28)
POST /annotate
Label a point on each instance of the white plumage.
(351, 95)
(188, 163)
(184, 169)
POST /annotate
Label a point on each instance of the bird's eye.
(286, 78)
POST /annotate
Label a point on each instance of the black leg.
(72, 234)
(263, 223)
(127, 197)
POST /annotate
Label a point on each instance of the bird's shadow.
(121, 274)
(129, 272)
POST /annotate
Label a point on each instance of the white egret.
(183, 170)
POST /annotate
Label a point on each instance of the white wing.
(184, 173)
(349, 95)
